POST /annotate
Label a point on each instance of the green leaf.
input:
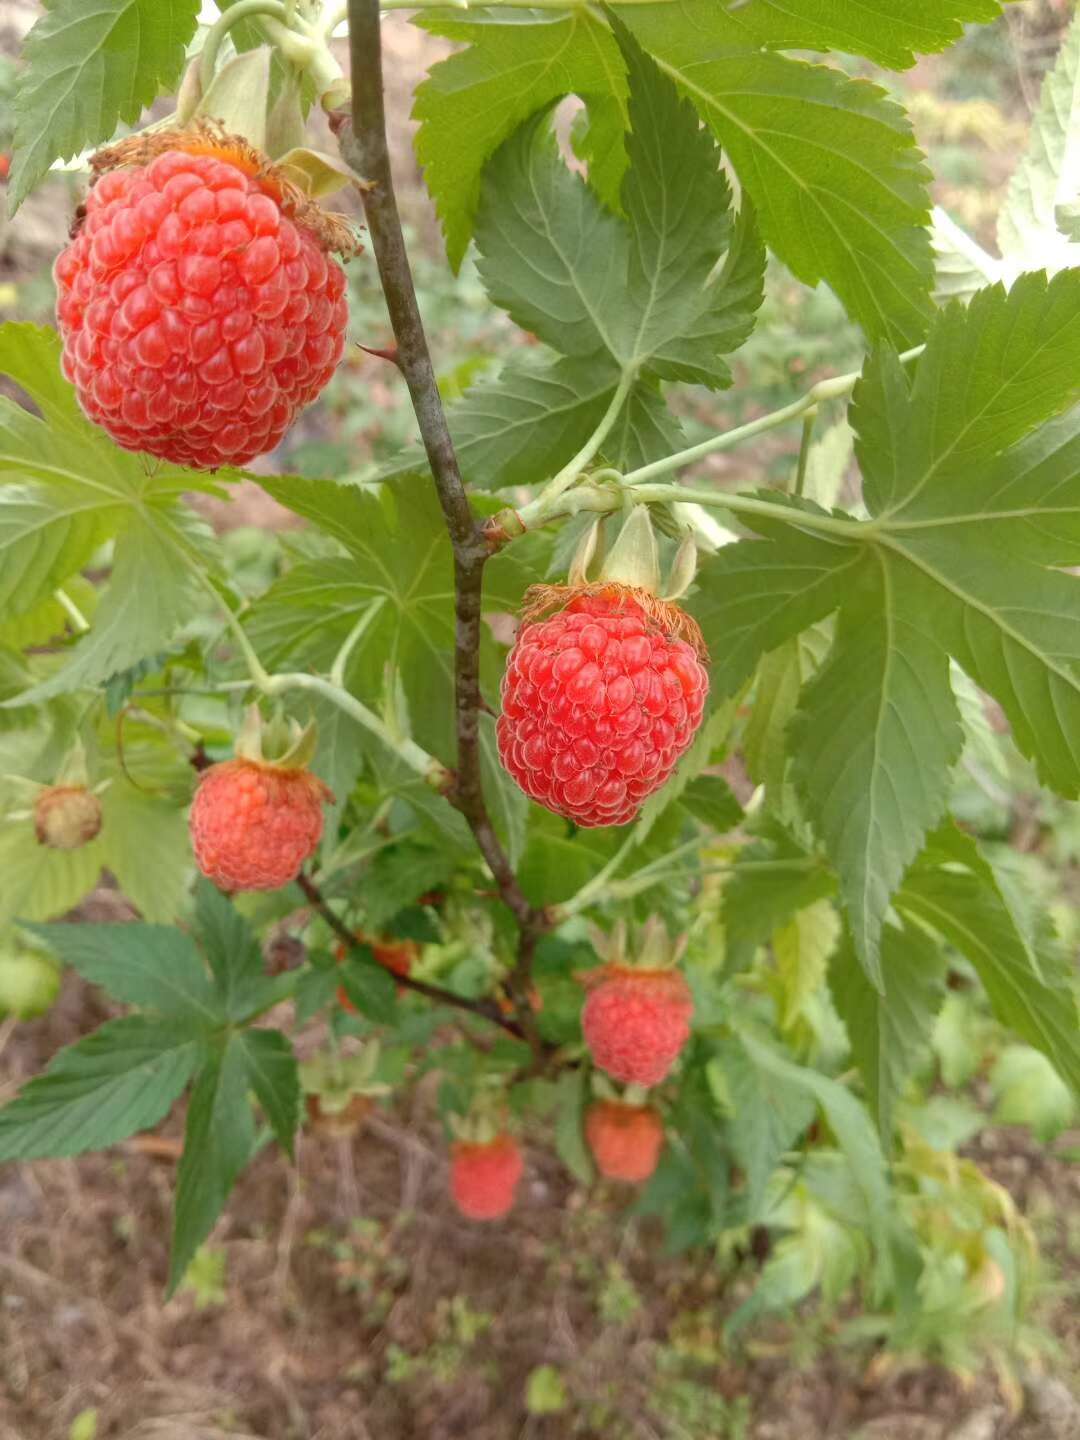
(234, 954)
(396, 877)
(1029, 980)
(572, 1094)
(801, 949)
(516, 64)
(89, 67)
(144, 841)
(155, 966)
(875, 737)
(1028, 1091)
(768, 1115)
(781, 676)
(121, 1079)
(829, 162)
(1028, 230)
(550, 255)
(773, 879)
(675, 315)
(371, 989)
(218, 1142)
(752, 597)
(889, 1029)
(711, 800)
(851, 1126)
(892, 32)
(39, 882)
(645, 291)
(275, 1078)
(1019, 354)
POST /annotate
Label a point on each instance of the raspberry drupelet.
(198, 307)
(600, 700)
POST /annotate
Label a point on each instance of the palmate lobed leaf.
(89, 67)
(639, 287)
(829, 162)
(877, 730)
(71, 488)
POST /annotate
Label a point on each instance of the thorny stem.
(486, 1009)
(362, 137)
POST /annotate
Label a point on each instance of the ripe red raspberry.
(625, 1140)
(253, 825)
(484, 1177)
(599, 702)
(198, 307)
(636, 1022)
(67, 817)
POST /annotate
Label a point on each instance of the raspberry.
(484, 1177)
(599, 702)
(253, 825)
(67, 817)
(636, 1022)
(625, 1140)
(197, 317)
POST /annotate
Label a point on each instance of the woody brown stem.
(485, 1009)
(362, 137)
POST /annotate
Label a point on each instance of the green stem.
(418, 759)
(241, 10)
(355, 635)
(585, 896)
(833, 389)
(804, 449)
(78, 620)
(604, 499)
(572, 469)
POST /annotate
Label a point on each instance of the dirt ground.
(344, 1299)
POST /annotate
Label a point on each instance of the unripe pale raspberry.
(198, 307)
(636, 1022)
(625, 1140)
(253, 825)
(484, 1177)
(599, 702)
(67, 817)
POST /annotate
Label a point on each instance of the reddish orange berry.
(636, 1022)
(253, 825)
(484, 1177)
(625, 1140)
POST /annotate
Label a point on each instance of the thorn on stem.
(390, 353)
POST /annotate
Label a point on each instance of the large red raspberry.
(636, 1022)
(253, 825)
(198, 318)
(484, 1177)
(599, 702)
(625, 1140)
(66, 817)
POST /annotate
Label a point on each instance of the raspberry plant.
(840, 654)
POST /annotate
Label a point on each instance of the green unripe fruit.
(29, 984)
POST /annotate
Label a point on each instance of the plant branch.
(485, 1009)
(832, 389)
(241, 10)
(572, 469)
(362, 137)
